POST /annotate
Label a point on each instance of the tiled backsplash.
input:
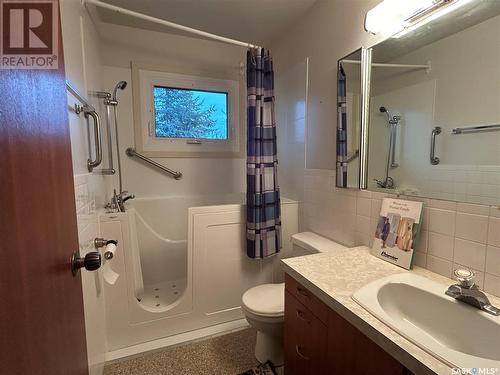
(471, 183)
(453, 234)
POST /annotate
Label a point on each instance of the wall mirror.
(349, 120)
(434, 110)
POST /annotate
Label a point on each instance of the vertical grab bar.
(110, 170)
(89, 110)
(91, 164)
(433, 158)
(394, 136)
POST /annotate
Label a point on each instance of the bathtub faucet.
(118, 200)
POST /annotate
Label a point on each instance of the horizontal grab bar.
(475, 129)
(175, 174)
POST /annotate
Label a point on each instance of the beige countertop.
(335, 276)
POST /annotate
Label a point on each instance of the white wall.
(83, 69)
(291, 111)
(200, 175)
(454, 234)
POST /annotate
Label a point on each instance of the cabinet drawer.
(313, 303)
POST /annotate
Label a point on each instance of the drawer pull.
(300, 315)
(297, 349)
(302, 291)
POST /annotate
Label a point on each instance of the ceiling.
(256, 21)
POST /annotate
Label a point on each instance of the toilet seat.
(267, 300)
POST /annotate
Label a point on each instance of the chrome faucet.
(387, 184)
(118, 200)
(468, 292)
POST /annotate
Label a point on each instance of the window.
(184, 115)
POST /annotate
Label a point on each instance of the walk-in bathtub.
(182, 265)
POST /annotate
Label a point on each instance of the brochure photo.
(397, 229)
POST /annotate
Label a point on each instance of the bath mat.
(262, 369)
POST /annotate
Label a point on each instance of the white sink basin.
(418, 309)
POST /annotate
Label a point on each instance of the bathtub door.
(41, 314)
(222, 270)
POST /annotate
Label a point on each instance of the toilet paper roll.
(108, 274)
(109, 250)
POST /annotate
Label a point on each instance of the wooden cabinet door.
(351, 352)
(305, 340)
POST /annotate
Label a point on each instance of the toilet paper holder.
(101, 242)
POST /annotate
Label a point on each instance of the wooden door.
(42, 327)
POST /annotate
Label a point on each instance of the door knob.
(91, 262)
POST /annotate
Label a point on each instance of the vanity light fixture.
(401, 17)
(446, 8)
(390, 16)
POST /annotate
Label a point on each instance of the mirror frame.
(365, 68)
(366, 64)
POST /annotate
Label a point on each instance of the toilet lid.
(265, 300)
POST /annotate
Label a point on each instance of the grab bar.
(175, 174)
(475, 129)
(394, 135)
(89, 110)
(110, 170)
(91, 164)
(434, 159)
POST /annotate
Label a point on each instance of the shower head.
(393, 120)
(386, 111)
(120, 85)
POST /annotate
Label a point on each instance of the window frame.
(146, 77)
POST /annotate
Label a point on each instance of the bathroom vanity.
(319, 341)
(328, 332)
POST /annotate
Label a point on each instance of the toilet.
(264, 305)
(264, 309)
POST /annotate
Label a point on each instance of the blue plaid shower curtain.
(341, 128)
(263, 194)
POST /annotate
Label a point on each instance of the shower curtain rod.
(163, 22)
(411, 66)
